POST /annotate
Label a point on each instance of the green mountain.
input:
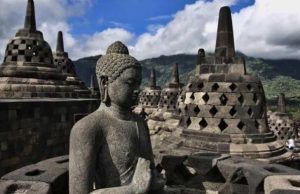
(278, 76)
(85, 68)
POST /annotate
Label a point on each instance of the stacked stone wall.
(33, 130)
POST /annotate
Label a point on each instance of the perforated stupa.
(149, 97)
(28, 70)
(223, 108)
(281, 122)
(67, 67)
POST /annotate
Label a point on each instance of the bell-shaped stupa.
(169, 94)
(149, 97)
(165, 115)
(281, 122)
(28, 70)
(94, 87)
(67, 67)
(223, 108)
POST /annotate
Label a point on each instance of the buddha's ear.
(103, 88)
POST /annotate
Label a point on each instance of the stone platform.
(192, 174)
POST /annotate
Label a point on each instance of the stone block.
(233, 77)
(12, 115)
(172, 162)
(237, 68)
(216, 78)
(204, 69)
(282, 184)
(10, 162)
(204, 162)
(181, 190)
(24, 187)
(229, 188)
(176, 172)
(221, 68)
(52, 171)
(242, 171)
(4, 146)
(250, 79)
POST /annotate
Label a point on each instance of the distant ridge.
(277, 75)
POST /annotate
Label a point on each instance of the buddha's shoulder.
(90, 124)
(138, 118)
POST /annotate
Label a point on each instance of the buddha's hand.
(142, 177)
(158, 182)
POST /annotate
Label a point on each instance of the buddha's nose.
(136, 92)
(135, 96)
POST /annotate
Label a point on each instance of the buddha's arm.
(82, 159)
(149, 147)
(158, 182)
(114, 190)
(140, 182)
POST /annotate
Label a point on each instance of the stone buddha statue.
(110, 149)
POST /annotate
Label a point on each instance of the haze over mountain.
(277, 75)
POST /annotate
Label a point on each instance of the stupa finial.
(225, 39)
(281, 105)
(152, 81)
(60, 42)
(175, 75)
(30, 23)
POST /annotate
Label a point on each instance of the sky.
(262, 28)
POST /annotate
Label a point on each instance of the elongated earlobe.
(104, 89)
(105, 93)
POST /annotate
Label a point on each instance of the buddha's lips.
(134, 97)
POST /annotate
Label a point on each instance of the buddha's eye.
(130, 81)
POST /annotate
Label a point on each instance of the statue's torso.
(123, 142)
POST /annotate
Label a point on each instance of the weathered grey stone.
(237, 68)
(281, 103)
(282, 184)
(224, 100)
(242, 171)
(167, 105)
(28, 59)
(229, 188)
(66, 66)
(281, 122)
(24, 187)
(149, 98)
(225, 40)
(176, 172)
(94, 87)
(181, 190)
(34, 129)
(53, 171)
(204, 162)
(111, 147)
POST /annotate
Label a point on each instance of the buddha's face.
(122, 91)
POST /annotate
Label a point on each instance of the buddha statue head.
(119, 76)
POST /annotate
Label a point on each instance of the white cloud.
(191, 28)
(121, 25)
(160, 17)
(153, 28)
(9, 21)
(98, 42)
(51, 17)
(267, 29)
